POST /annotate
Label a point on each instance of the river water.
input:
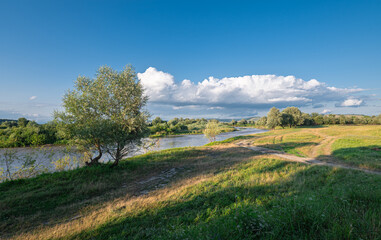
(46, 155)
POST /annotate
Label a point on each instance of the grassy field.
(358, 146)
(219, 191)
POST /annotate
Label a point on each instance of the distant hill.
(237, 119)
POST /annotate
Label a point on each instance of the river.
(44, 156)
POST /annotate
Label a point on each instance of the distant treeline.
(159, 127)
(292, 116)
(23, 132)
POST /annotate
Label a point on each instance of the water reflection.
(46, 156)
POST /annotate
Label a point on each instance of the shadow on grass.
(57, 197)
(316, 126)
(368, 157)
(312, 203)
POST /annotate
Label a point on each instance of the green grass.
(352, 145)
(221, 192)
(42, 194)
(266, 199)
(358, 151)
(288, 141)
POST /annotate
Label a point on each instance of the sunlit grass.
(354, 145)
(262, 198)
(219, 191)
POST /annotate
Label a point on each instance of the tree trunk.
(117, 157)
(95, 161)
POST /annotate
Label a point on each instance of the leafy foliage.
(159, 127)
(274, 118)
(211, 131)
(292, 117)
(105, 114)
(23, 133)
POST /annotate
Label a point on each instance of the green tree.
(342, 120)
(22, 122)
(333, 119)
(326, 119)
(157, 120)
(349, 119)
(274, 118)
(296, 116)
(286, 119)
(211, 130)
(307, 119)
(173, 122)
(319, 120)
(242, 122)
(262, 121)
(105, 114)
(378, 119)
(233, 122)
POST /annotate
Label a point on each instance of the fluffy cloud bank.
(351, 102)
(260, 91)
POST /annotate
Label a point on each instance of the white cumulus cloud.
(156, 83)
(352, 102)
(32, 97)
(251, 90)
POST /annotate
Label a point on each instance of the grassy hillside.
(212, 192)
(358, 146)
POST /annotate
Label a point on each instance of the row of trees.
(242, 122)
(292, 116)
(23, 133)
(160, 127)
(176, 126)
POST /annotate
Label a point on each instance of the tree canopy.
(292, 117)
(212, 130)
(274, 118)
(105, 114)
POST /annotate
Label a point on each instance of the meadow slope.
(358, 146)
(220, 191)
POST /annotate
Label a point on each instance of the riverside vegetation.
(175, 126)
(218, 191)
(23, 132)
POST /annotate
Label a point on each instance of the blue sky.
(238, 58)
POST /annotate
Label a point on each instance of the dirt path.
(324, 147)
(294, 158)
